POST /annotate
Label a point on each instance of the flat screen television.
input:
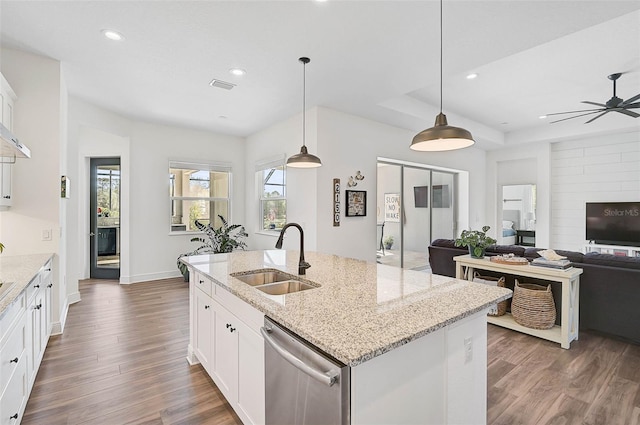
(613, 223)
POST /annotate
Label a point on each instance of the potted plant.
(225, 238)
(476, 240)
(388, 242)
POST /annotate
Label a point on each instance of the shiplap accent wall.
(603, 168)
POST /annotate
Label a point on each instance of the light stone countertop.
(20, 270)
(361, 309)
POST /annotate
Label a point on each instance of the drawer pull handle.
(201, 281)
(14, 360)
(232, 329)
(38, 307)
(206, 307)
(14, 416)
(228, 325)
(47, 270)
(50, 285)
(36, 286)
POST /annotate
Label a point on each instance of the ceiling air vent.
(221, 84)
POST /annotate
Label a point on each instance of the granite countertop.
(361, 309)
(19, 270)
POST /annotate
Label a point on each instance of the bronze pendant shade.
(442, 136)
(304, 159)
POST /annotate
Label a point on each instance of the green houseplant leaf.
(477, 240)
(223, 239)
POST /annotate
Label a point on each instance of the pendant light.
(304, 159)
(442, 136)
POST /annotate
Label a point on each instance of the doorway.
(415, 206)
(104, 207)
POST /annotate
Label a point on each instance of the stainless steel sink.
(274, 282)
(287, 287)
(263, 277)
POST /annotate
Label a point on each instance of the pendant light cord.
(304, 100)
(440, 56)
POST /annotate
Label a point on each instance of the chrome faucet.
(302, 265)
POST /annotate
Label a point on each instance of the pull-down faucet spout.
(302, 264)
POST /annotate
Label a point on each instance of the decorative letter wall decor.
(336, 202)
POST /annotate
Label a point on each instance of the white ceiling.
(375, 59)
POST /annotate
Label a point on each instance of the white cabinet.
(623, 251)
(226, 341)
(7, 97)
(25, 327)
(203, 326)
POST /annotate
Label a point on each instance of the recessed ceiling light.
(237, 71)
(472, 76)
(113, 35)
(542, 117)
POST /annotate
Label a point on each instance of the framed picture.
(356, 203)
(392, 207)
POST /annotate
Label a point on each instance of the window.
(198, 192)
(273, 202)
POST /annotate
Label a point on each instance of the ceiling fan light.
(442, 137)
(304, 160)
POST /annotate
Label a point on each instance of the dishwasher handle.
(328, 378)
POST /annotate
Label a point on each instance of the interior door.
(104, 207)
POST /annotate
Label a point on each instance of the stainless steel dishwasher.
(303, 385)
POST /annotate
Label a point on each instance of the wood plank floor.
(121, 360)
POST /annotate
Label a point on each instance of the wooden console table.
(569, 278)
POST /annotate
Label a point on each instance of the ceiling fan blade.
(594, 103)
(630, 100)
(624, 111)
(632, 105)
(575, 112)
(577, 116)
(598, 116)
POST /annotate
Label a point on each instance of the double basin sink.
(273, 282)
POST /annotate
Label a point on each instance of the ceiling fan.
(615, 104)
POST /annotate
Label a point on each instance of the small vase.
(476, 252)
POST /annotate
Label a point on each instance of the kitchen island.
(415, 342)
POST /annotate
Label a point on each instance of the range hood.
(10, 146)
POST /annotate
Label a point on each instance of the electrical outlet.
(468, 350)
(46, 235)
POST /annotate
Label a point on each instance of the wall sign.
(336, 202)
(392, 207)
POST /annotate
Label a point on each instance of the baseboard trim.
(126, 280)
(57, 328)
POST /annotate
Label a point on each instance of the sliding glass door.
(415, 205)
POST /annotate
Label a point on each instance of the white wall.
(347, 144)
(283, 140)
(145, 150)
(39, 117)
(595, 169)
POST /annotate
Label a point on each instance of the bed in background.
(510, 223)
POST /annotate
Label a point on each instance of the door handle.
(328, 378)
(92, 234)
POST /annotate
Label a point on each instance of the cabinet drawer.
(10, 315)
(34, 286)
(15, 397)
(251, 316)
(203, 283)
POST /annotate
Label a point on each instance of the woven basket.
(532, 306)
(501, 308)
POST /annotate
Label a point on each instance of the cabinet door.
(204, 321)
(34, 321)
(5, 184)
(250, 375)
(226, 353)
(14, 399)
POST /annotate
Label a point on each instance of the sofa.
(609, 285)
